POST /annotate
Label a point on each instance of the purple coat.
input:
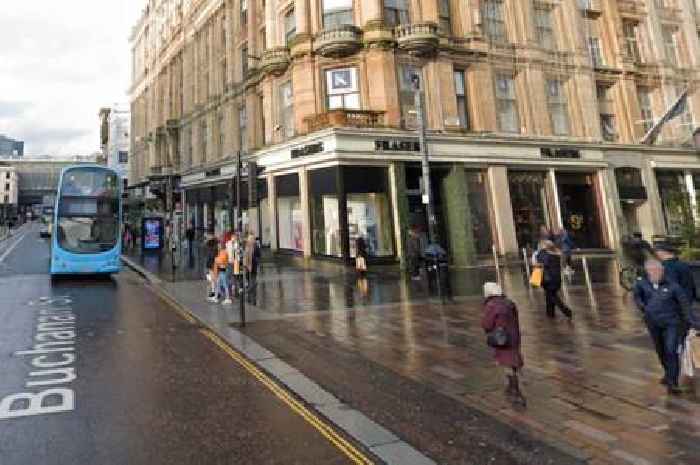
(501, 311)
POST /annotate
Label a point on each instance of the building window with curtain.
(558, 107)
(543, 25)
(337, 13)
(290, 26)
(242, 130)
(396, 12)
(646, 112)
(342, 89)
(493, 20)
(407, 94)
(461, 94)
(444, 13)
(607, 113)
(669, 36)
(506, 104)
(286, 110)
(630, 29)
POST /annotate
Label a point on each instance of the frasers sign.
(396, 146)
(52, 359)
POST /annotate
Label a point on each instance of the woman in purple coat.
(501, 315)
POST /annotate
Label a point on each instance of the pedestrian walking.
(566, 244)
(676, 270)
(437, 269)
(666, 310)
(413, 254)
(549, 258)
(251, 259)
(211, 251)
(189, 236)
(222, 286)
(361, 256)
(502, 327)
(234, 249)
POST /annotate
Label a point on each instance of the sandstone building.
(534, 109)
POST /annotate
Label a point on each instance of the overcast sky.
(60, 61)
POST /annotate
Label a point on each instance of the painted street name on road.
(53, 354)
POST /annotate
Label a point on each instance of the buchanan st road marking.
(53, 354)
(321, 426)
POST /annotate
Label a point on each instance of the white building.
(116, 121)
(9, 192)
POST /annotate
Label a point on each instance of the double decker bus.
(86, 235)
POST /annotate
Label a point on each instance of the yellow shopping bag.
(536, 277)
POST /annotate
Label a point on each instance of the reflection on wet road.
(147, 386)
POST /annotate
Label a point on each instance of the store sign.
(396, 145)
(213, 173)
(307, 150)
(560, 153)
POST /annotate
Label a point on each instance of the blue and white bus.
(86, 235)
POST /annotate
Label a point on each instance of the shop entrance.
(417, 211)
(578, 200)
(528, 197)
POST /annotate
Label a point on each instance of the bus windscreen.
(88, 212)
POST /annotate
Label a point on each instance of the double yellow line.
(320, 425)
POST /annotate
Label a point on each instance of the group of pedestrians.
(232, 263)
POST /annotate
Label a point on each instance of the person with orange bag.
(221, 263)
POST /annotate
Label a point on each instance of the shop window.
(342, 89)
(558, 108)
(493, 20)
(326, 236)
(461, 95)
(286, 110)
(369, 212)
(407, 93)
(578, 201)
(543, 25)
(290, 27)
(396, 12)
(506, 104)
(337, 13)
(675, 201)
(290, 224)
(529, 201)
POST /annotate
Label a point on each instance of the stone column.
(272, 211)
(371, 11)
(459, 221)
(305, 209)
(253, 12)
(399, 207)
(690, 186)
(553, 190)
(651, 217)
(499, 194)
(301, 11)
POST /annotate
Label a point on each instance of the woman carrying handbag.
(361, 257)
(502, 328)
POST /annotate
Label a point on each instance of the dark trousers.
(252, 295)
(552, 301)
(190, 253)
(666, 340)
(414, 266)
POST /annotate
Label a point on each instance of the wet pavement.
(391, 350)
(147, 386)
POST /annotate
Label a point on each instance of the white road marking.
(12, 247)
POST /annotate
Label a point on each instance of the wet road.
(147, 386)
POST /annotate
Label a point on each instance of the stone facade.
(539, 101)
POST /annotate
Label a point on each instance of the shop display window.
(529, 200)
(290, 223)
(675, 201)
(369, 216)
(325, 212)
(480, 212)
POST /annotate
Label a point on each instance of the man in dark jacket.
(676, 270)
(666, 310)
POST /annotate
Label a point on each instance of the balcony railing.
(345, 118)
(275, 61)
(338, 41)
(420, 38)
(631, 8)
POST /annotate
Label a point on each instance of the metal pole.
(427, 191)
(526, 260)
(239, 227)
(589, 285)
(496, 263)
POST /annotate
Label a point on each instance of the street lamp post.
(427, 190)
(239, 227)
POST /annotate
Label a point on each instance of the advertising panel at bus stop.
(152, 233)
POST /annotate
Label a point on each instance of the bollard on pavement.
(526, 260)
(589, 284)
